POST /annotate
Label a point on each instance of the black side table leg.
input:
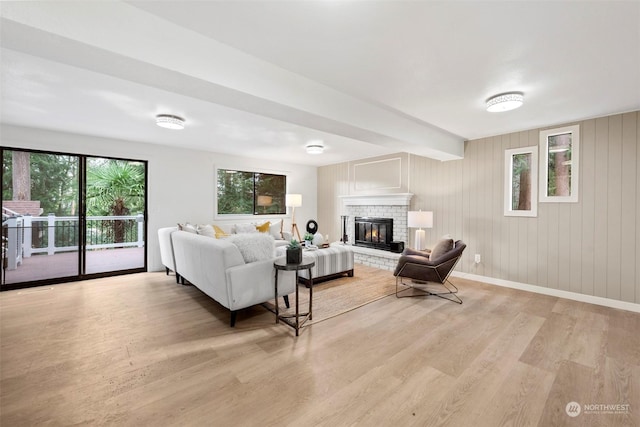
(276, 296)
(310, 295)
(297, 307)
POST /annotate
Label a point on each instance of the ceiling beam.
(148, 50)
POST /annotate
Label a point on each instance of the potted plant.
(294, 252)
(308, 239)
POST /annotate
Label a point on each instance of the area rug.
(338, 296)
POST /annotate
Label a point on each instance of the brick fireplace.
(393, 206)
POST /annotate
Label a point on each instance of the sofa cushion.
(245, 228)
(264, 228)
(206, 230)
(220, 233)
(188, 228)
(254, 246)
(442, 247)
(274, 230)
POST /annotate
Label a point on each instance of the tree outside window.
(560, 162)
(250, 193)
(521, 182)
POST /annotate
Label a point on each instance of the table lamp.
(264, 202)
(420, 220)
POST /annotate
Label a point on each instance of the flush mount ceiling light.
(505, 102)
(169, 121)
(315, 147)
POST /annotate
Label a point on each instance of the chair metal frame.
(423, 292)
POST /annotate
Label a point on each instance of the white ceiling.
(263, 78)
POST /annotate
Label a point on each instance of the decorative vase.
(294, 256)
(318, 239)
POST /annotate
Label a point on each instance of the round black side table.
(297, 320)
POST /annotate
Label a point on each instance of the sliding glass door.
(115, 206)
(68, 217)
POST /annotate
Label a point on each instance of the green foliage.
(521, 167)
(308, 236)
(114, 187)
(7, 174)
(54, 181)
(235, 192)
(293, 244)
(238, 192)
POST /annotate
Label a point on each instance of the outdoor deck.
(65, 264)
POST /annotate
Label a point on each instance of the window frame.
(256, 208)
(508, 182)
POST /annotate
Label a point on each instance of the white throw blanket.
(254, 246)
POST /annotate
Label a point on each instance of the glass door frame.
(82, 222)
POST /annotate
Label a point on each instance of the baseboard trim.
(607, 302)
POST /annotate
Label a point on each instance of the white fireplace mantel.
(395, 199)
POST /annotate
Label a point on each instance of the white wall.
(181, 182)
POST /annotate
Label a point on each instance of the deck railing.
(23, 236)
(8, 213)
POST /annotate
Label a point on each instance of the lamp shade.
(293, 200)
(420, 219)
(265, 200)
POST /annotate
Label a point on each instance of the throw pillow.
(264, 228)
(442, 247)
(206, 230)
(254, 246)
(245, 228)
(274, 230)
(220, 233)
(188, 228)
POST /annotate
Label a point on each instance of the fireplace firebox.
(375, 233)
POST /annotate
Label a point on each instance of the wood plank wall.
(333, 181)
(590, 247)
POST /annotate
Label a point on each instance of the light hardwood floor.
(142, 350)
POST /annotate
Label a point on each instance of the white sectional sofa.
(218, 268)
(166, 250)
(282, 238)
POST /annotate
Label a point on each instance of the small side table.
(295, 321)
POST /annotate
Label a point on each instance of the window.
(559, 164)
(521, 182)
(250, 193)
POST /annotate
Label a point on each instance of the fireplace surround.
(392, 205)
